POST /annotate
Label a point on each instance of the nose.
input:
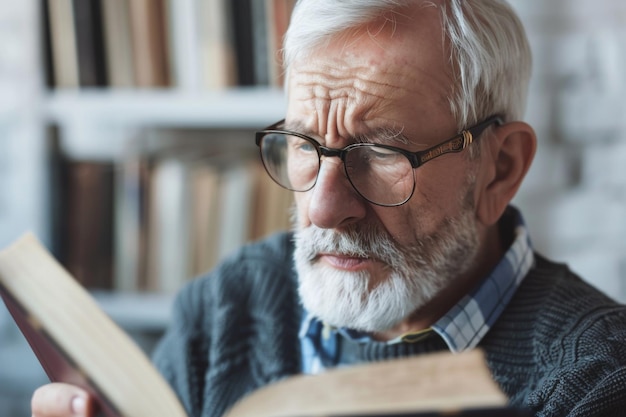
(333, 203)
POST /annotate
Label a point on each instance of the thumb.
(61, 400)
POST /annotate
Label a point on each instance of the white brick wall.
(574, 198)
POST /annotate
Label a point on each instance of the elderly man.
(404, 146)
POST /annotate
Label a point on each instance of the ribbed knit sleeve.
(560, 347)
(233, 330)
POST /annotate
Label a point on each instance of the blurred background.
(126, 145)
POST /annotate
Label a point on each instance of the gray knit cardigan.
(559, 348)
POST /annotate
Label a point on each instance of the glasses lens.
(381, 175)
(291, 161)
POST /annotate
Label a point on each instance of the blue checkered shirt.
(462, 327)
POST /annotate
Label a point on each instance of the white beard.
(363, 302)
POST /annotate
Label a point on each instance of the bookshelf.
(156, 101)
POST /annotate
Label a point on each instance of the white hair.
(489, 50)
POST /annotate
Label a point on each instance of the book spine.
(63, 43)
(184, 42)
(244, 42)
(218, 60)
(87, 222)
(118, 43)
(260, 42)
(149, 29)
(90, 43)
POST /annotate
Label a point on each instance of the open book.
(438, 384)
(77, 343)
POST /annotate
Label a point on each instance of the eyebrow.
(383, 135)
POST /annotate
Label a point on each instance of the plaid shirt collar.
(462, 328)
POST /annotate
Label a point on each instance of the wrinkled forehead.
(389, 73)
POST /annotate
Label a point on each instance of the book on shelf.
(150, 44)
(272, 206)
(74, 340)
(48, 70)
(205, 184)
(85, 193)
(278, 14)
(168, 227)
(184, 39)
(118, 47)
(77, 343)
(63, 48)
(243, 33)
(260, 35)
(217, 49)
(235, 197)
(130, 223)
(88, 24)
(187, 44)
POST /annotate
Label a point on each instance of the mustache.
(360, 241)
(375, 242)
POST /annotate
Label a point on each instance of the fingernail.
(79, 406)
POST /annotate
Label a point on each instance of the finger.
(60, 400)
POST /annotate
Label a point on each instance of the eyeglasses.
(381, 174)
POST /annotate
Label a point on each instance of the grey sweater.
(559, 348)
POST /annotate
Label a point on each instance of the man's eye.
(382, 153)
(301, 145)
(305, 146)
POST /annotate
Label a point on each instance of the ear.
(505, 159)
